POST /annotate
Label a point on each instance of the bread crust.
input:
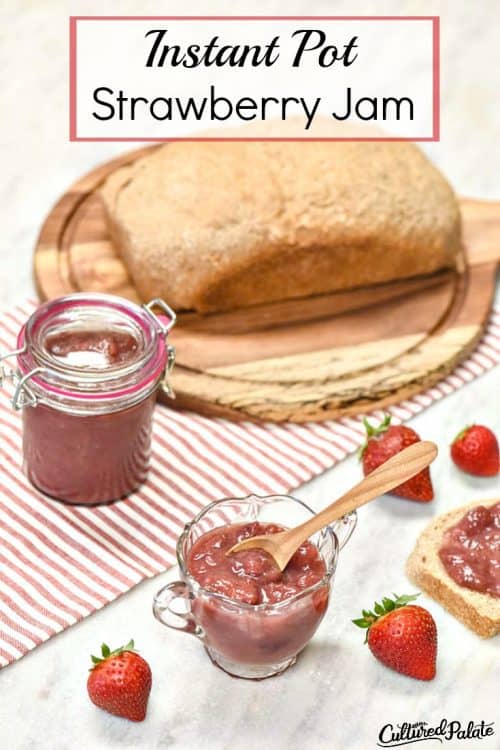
(215, 226)
(479, 612)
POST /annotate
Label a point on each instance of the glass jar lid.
(94, 351)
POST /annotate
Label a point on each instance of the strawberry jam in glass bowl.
(471, 550)
(88, 368)
(253, 619)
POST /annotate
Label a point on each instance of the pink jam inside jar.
(89, 367)
(471, 550)
(252, 634)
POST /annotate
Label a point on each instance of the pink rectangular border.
(435, 73)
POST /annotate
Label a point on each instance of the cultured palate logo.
(400, 735)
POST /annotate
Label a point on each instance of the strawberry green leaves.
(380, 609)
(106, 652)
(373, 432)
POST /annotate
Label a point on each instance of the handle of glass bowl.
(344, 527)
(162, 609)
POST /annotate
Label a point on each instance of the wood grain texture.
(296, 360)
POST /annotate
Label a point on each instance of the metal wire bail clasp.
(23, 395)
(167, 388)
(158, 302)
(166, 309)
(7, 373)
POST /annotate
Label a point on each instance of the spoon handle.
(386, 477)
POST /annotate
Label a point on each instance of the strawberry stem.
(462, 433)
(106, 653)
(373, 432)
(381, 609)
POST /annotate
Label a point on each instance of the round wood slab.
(299, 360)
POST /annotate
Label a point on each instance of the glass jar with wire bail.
(87, 370)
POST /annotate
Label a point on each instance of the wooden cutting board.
(301, 360)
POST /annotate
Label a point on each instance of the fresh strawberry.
(385, 441)
(120, 682)
(402, 636)
(475, 450)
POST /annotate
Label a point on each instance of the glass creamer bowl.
(245, 640)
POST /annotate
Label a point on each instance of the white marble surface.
(337, 697)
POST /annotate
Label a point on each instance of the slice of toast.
(479, 612)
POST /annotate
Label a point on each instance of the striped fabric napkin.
(60, 563)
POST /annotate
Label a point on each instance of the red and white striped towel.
(59, 563)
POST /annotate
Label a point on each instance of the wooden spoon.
(389, 475)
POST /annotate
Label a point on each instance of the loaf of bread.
(478, 611)
(216, 226)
